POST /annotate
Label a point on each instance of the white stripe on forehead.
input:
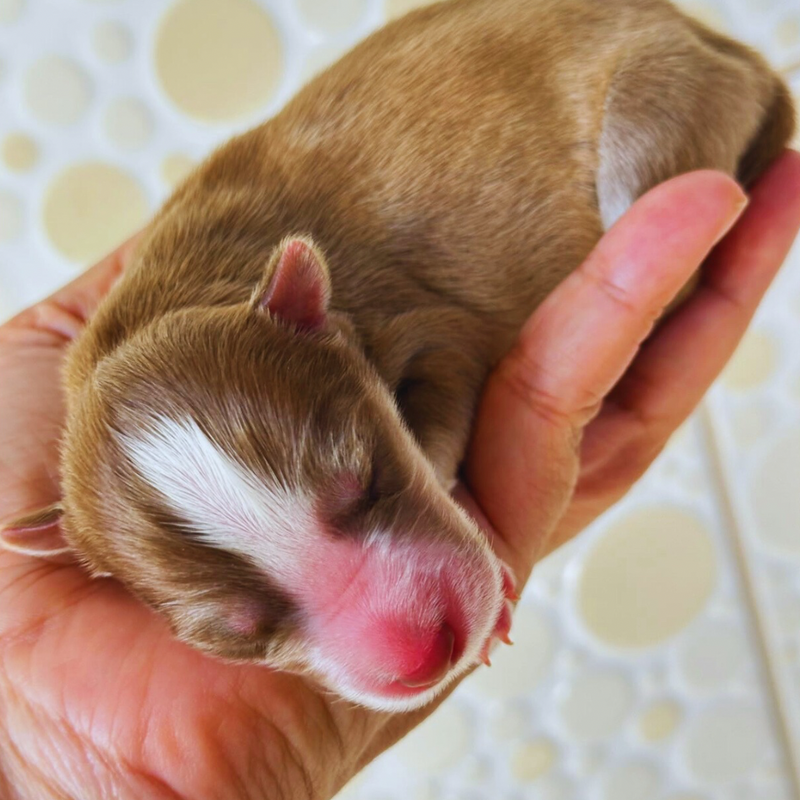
(221, 500)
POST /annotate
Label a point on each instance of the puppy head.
(244, 471)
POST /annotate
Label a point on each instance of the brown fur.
(448, 168)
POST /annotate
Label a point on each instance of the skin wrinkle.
(146, 734)
(30, 328)
(54, 317)
(99, 764)
(261, 730)
(32, 630)
(327, 722)
(84, 740)
(521, 375)
(620, 297)
(31, 485)
(26, 705)
(148, 737)
(295, 759)
(35, 629)
(166, 792)
(38, 776)
(295, 749)
(725, 294)
(630, 462)
(253, 768)
(257, 776)
(622, 398)
(18, 332)
(7, 790)
(622, 416)
(38, 439)
(95, 762)
(640, 381)
(114, 770)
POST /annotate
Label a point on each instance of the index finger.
(716, 317)
(523, 460)
(66, 311)
(622, 289)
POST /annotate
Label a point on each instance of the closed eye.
(348, 496)
(374, 490)
(353, 494)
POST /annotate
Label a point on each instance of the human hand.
(98, 700)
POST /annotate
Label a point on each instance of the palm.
(108, 682)
(97, 698)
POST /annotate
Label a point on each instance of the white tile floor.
(690, 693)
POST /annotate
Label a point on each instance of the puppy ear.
(297, 287)
(37, 534)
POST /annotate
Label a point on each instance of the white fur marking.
(226, 504)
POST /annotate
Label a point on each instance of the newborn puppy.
(268, 411)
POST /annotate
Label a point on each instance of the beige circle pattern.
(19, 152)
(660, 721)
(533, 760)
(57, 90)
(647, 578)
(10, 11)
(595, 704)
(727, 742)
(218, 60)
(175, 167)
(11, 216)
(112, 42)
(128, 124)
(92, 207)
(332, 18)
(398, 8)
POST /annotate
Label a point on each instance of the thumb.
(32, 347)
(523, 460)
(66, 311)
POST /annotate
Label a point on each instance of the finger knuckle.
(641, 453)
(47, 322)
(526, 381)
(54, 317)
(521, 378)
(622, 297)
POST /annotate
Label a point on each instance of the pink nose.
(435, 662)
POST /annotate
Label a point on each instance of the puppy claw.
(509, 583)
(483, 658)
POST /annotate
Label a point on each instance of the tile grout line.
(721, 481)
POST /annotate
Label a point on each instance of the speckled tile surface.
(658, 658)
